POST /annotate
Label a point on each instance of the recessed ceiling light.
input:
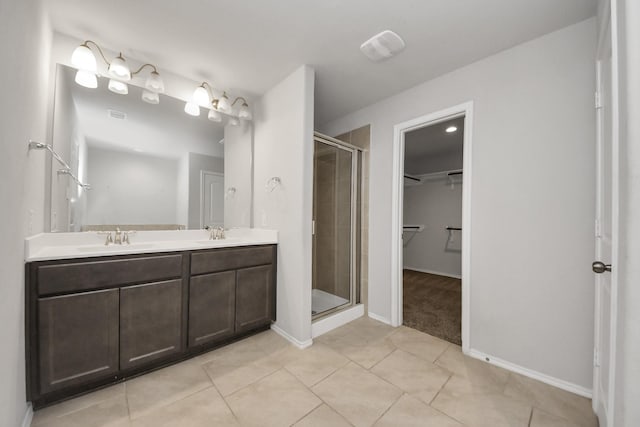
(451, 129)
(382, 46)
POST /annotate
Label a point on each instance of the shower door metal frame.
(354, 276)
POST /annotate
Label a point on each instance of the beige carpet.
(433, 304)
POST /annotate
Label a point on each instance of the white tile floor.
(362, 374)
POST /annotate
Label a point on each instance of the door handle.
(600, 267)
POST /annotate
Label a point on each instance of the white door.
(211, 199)
(606, 228)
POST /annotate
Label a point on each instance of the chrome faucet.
(109, 239)
(215, 233)
(117, 239)
(125, 236)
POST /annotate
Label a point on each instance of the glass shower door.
(334, 199)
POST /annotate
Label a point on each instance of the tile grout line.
(441, 388)
(390, 406)
(447, 415)
(443, 352)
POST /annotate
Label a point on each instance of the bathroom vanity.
(97, 319)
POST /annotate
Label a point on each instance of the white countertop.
(49, 246)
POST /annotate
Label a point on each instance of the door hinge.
(313, 227)
(596, 358)
(597, 100)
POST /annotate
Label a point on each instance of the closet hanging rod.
(66, 169)
(412, 178)
(453, 228)
(454, 173)
(411, 227)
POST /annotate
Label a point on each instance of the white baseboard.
(438, 273)
(379, 318)
(28, 416)
(300, 344)
(336, 320)
(547, 379)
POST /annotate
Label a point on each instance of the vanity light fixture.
(85, 61)
(214, 116)
(203, 96)
(150, 97)
(116, 86)
(244, 112)
(192, 109)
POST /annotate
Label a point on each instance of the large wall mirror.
(149, 167)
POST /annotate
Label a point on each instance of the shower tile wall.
(361, 138)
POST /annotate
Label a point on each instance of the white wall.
(627, 410)
(532, 202)
(238, 166)
(131, 188)
(198, 163)
(284, 148)
(436, 205)
(25, 40)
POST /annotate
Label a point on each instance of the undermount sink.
(216, 241)
(115, 248)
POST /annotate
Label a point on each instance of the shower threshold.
(322, 301)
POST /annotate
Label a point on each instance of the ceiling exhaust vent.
(115, 114)
(382, 46)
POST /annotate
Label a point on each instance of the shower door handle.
(600, 267)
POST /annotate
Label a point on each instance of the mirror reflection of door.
(212, 199)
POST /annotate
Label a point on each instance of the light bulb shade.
(223, 104)
(192, 109)
(244, 112)
(201, 96)
(214, 116)
(83, 59)
(150, 97)
(233, 121)
(87, 79)
(154, 83)
(119, 68)
(118, 87)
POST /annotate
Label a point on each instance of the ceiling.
(249, 46)
(162, 130)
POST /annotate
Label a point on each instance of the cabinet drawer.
(79, 276)
(230, 259)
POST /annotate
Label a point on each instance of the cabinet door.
(78, 338)
(212, 307)
(150, 322)
(255, 297)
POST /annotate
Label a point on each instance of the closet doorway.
(431, 220)
(432, 225)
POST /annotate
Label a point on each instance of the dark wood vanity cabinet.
(212, 307)
(77, 338)
(95, 321)
(150, 322)
(232, 291)
(254, 297)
